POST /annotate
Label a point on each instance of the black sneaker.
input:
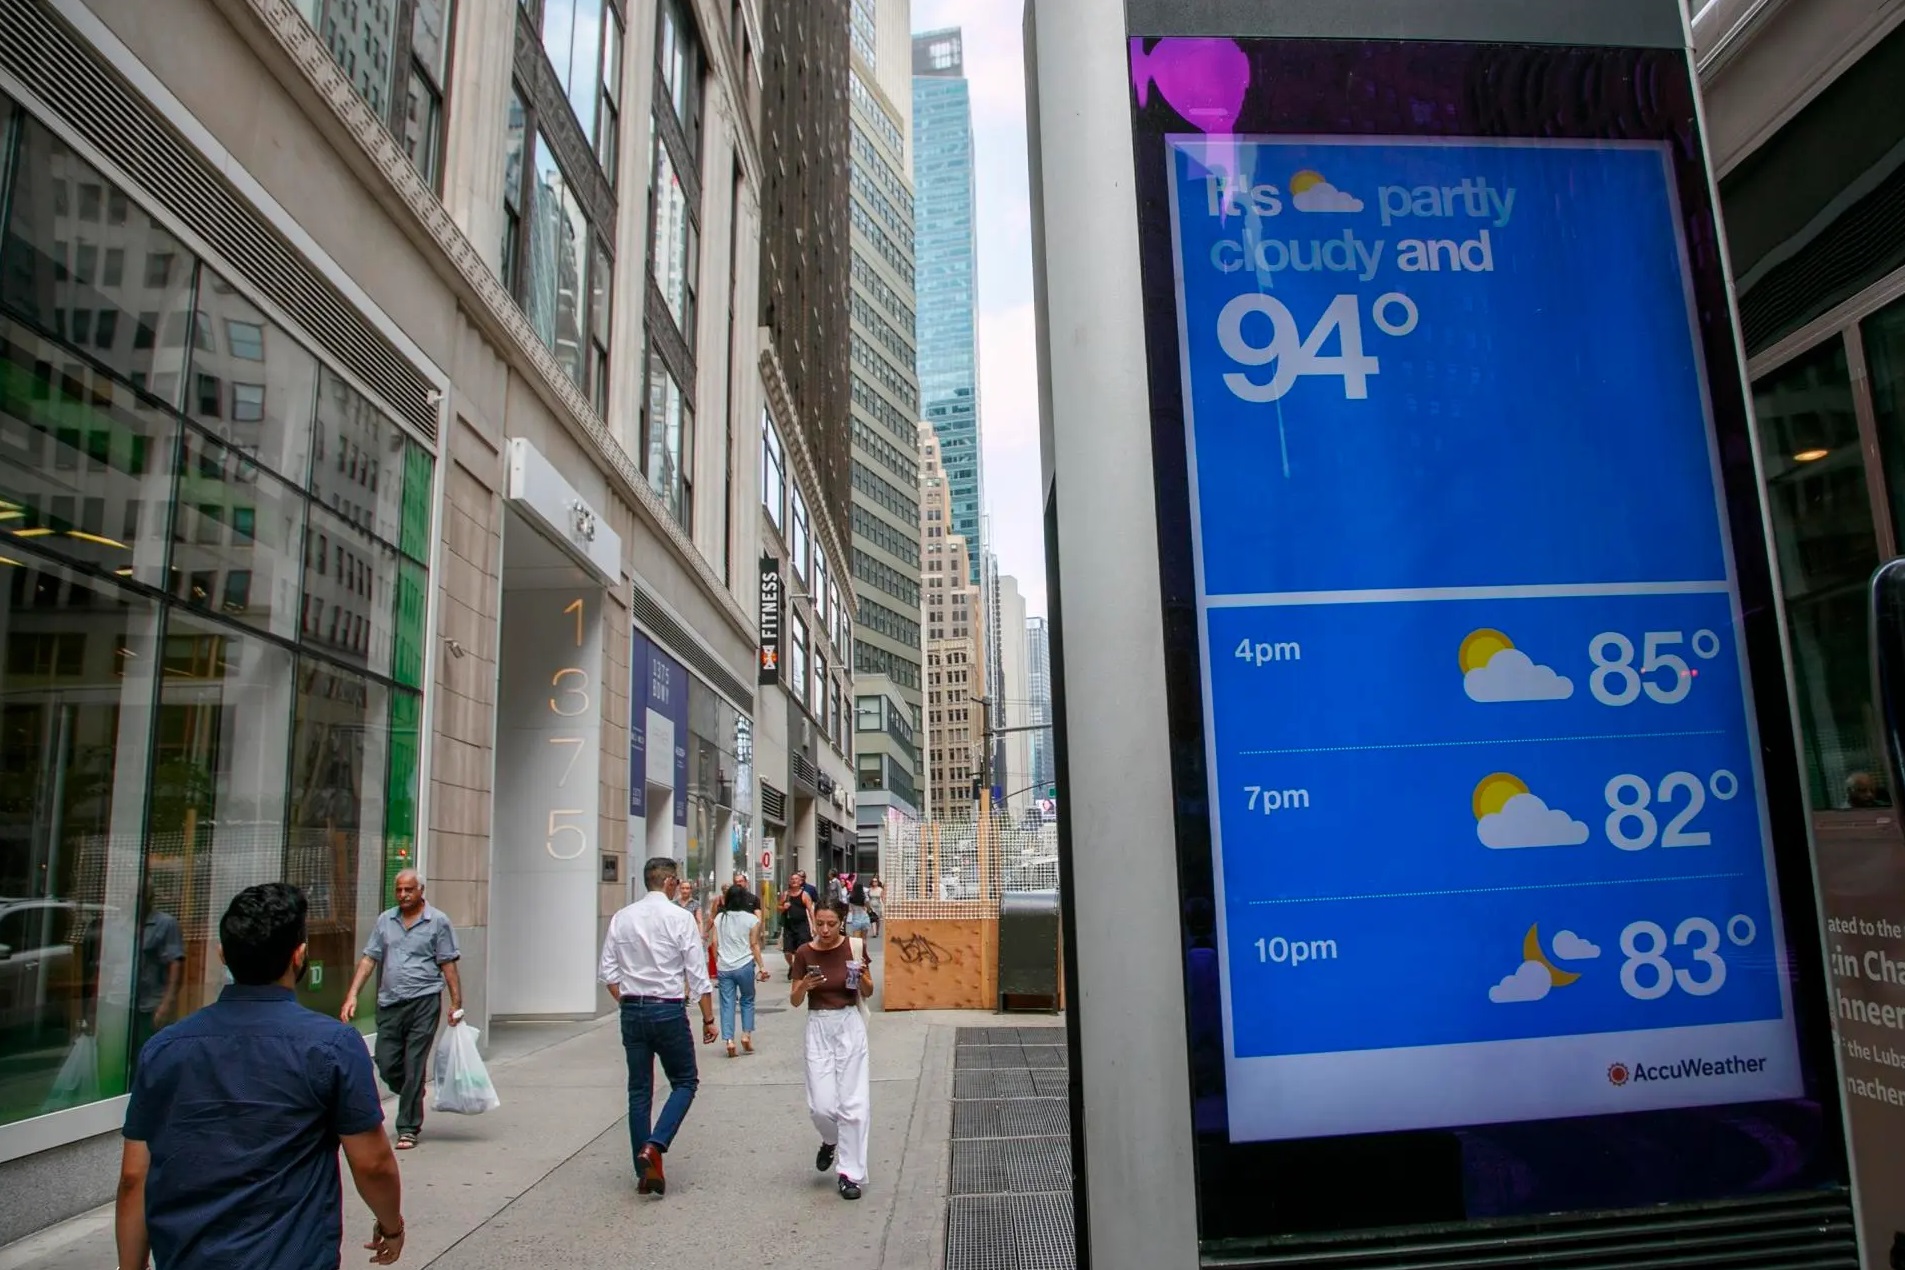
(823, 1159)
(849, 1189)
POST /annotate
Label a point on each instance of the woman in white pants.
(832, 977)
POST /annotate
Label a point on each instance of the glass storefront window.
(95, 272)
(80, 660)
(1827, 550)
(198, 626)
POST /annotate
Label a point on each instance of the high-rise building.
(948, 254)
(885, 414)
(955, 646)
(805, 721)
(1038, 681)
(1012, 706)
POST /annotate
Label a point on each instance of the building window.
(669, 425)
(819, 698)
(678, 62)
(555, 259)
(583, 39)
(675, 246)
(797, 676)
(802, 542)
(773, 474)
(396, 53)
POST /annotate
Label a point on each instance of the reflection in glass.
(260, 384)
(236, 538)
(218, 796)
(357, 459)
(554, 299)
(335, 847)
(1822, 532)
(1884, 334)
(666, 419)
(572, 36)
(350, 591)
(672, 253)
(120, 290)
(75, 706)
(85, 464)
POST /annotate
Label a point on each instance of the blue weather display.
(1483, 760)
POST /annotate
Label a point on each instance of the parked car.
(42, 963)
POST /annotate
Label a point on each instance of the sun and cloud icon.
(1537, 975)
(1493, 669)
(1508, 816)
(1311, 193)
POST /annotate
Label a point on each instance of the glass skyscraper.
(946, 247)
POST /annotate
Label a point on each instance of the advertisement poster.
(1490, 831)
(661, 692)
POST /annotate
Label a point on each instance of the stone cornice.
(458, 263)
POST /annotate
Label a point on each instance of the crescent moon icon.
(1531, 951)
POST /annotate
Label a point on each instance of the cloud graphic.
(1526, 821)
(1324, 197)
(1529, 983)
(1510, 675)
(1571, 947)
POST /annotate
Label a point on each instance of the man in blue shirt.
(237, 1113)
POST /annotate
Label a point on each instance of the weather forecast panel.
(1484, 777)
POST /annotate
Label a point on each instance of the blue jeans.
(651, 1032)
(732, 983)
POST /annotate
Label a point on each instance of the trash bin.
(1028, 950)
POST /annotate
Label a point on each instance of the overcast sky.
(1008, 365)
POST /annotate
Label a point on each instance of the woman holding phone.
(832, 978)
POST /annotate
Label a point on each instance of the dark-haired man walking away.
(654, 948)
(237, 1113)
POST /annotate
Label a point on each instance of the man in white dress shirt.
(654, 948)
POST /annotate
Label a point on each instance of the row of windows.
(877, 617)
(883, 172)
(867, 278)
(897, 223)
(890, 456)
(901, 426)
(887, 495)
(892, 340)
(886, 578)
(902, 262)
(869, 659)
(885, 537)
(882, 122)
(889, 376)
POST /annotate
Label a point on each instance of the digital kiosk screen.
(1496, 802)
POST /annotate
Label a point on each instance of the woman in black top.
(797, 912)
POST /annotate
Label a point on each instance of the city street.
(546, 1179)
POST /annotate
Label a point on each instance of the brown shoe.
(650, 1180)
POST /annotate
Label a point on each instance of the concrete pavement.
(546, 1179)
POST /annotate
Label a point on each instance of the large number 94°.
(1296, 358)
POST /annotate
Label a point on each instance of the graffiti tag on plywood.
(917, 950)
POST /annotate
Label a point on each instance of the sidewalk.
(547, 1180)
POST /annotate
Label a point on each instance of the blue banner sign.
(1489, 822)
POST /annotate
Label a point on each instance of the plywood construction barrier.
(942, 963)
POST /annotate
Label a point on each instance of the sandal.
(730, 1049)
(406, 1141)
(747, 1043)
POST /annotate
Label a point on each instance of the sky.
(1008, 360)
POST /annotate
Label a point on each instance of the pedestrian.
(738, 964)
(752, 901)
(833, 978)
(237, 1113)
(797, 911)
(413, 948)
(836, 892)
(654, 948)
(876, 903)
(858, 919)
(161, 970)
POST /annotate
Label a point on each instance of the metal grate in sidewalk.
(1011, 1201)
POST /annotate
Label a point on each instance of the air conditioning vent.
(674, 638)
(39, 51)
(773, 804)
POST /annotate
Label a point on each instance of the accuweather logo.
(1619, 1074)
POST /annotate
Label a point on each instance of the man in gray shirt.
(416, 947)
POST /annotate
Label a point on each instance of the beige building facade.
(955, 646)
(385, 409)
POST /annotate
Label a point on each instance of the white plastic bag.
(463, 1084)
(78, 1079)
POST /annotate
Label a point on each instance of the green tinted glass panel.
(400, 811)
(415, 534)
(407, 649)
